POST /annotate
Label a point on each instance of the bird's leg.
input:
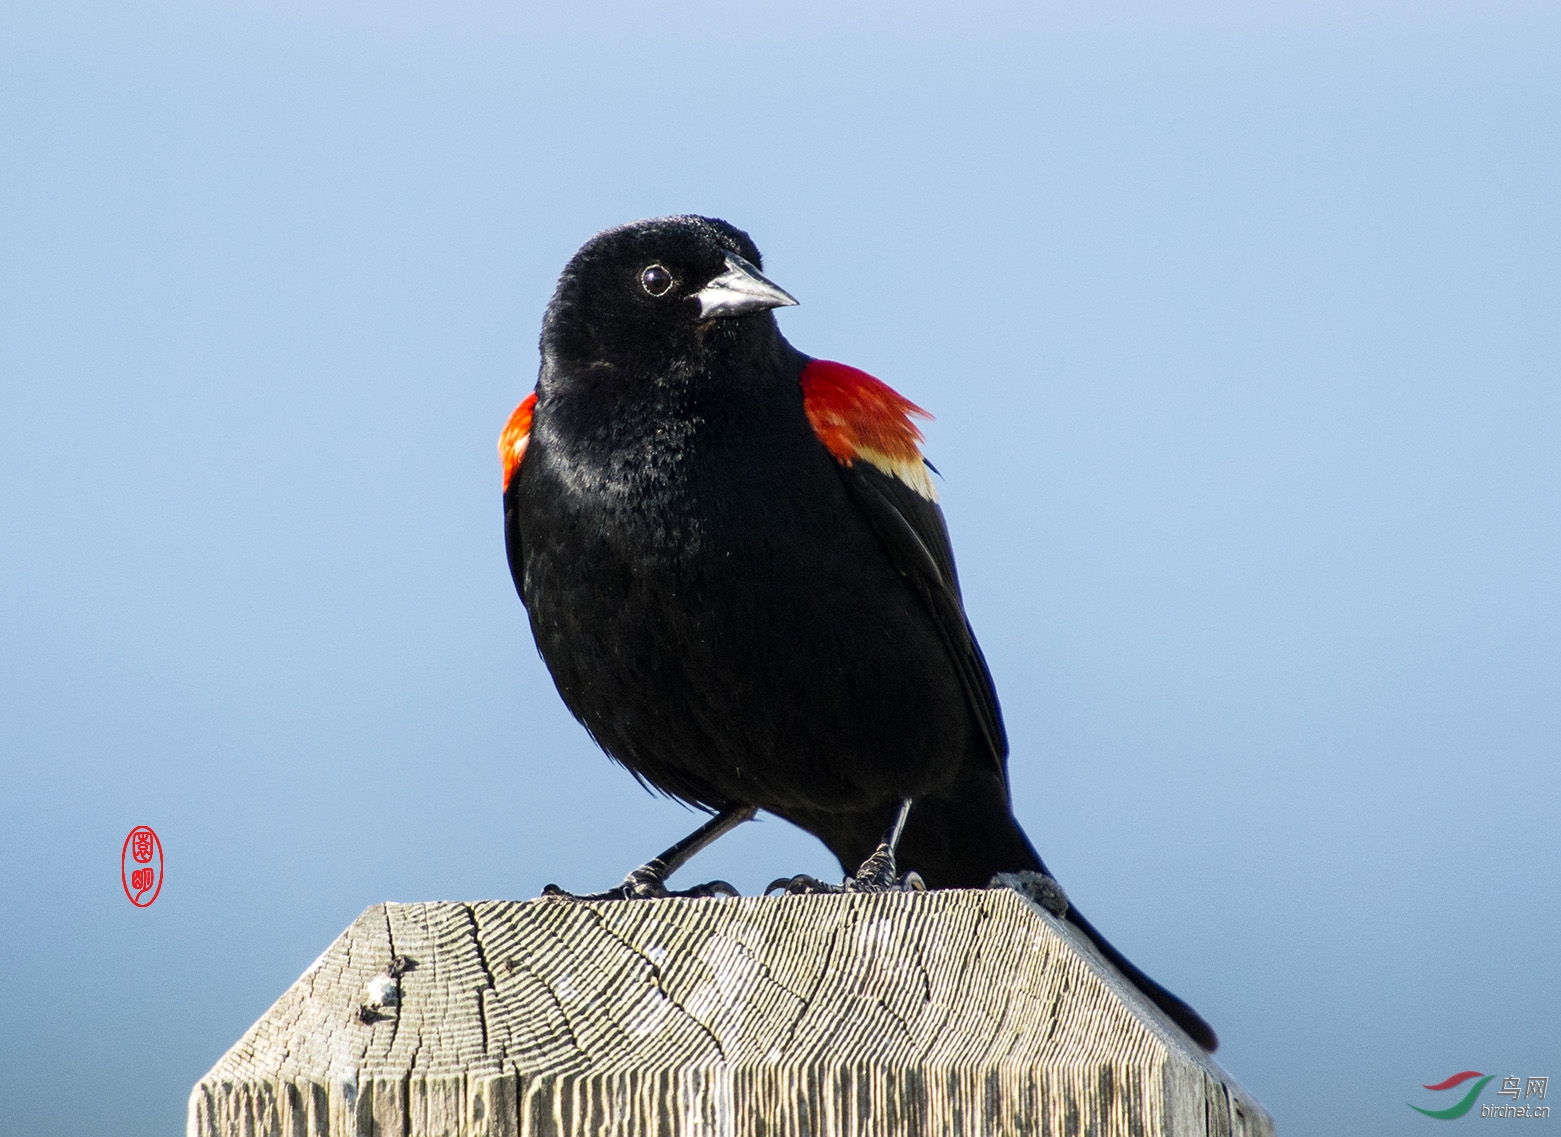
(649, 881)
(878, 873)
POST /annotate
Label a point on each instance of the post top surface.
(950, 983)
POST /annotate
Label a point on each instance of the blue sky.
(1240, 329)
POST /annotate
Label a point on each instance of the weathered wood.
(933, 1013)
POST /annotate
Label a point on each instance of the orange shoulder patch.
(516, 437)
(858, 417)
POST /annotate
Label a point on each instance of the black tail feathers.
(963, 841)
(1176, 1010)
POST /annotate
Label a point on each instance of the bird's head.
(659, 293)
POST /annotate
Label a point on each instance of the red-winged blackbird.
(737, 572)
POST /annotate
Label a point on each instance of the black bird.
(738, 575)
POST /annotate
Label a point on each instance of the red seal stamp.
(141, 866)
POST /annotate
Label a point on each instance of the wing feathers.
(867, 426)
(858, 417)
(516, 437)
(512, 448)
(913, 534)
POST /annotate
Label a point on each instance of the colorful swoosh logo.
(1464, 1105)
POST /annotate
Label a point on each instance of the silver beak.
(741, 288)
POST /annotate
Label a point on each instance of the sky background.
(1240, 327)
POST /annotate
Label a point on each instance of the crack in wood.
(823, 971)
(948, 1013)
(974, 952)
(563, 1013)
(655, 976)
(767, 972)
(390, 939)
(482, 961)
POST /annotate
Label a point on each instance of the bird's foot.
(801, 885)
(647, 883)
(878, 873)
(910, 882)
(1040, 887)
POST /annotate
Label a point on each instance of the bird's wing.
(512, 448)
(867, 427)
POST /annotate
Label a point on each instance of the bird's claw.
(645, 883)
(707, 890)
(877, 874)
(910, 882)
(801, 885)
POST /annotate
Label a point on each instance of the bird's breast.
(712, 603)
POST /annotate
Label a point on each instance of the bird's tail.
(1178, 1011)
(965, 839)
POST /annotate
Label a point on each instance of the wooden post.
(955, 1013)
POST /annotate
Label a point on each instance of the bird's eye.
(656, 280)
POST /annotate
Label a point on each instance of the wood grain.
(960, 1012)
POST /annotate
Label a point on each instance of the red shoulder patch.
(858, 417)
(516, 437)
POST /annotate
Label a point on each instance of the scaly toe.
(801, 885)
(704, 891)
(910, 882)
(645, 883)
(641, 884)
(552, 891)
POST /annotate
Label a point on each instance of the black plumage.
(736, 614)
